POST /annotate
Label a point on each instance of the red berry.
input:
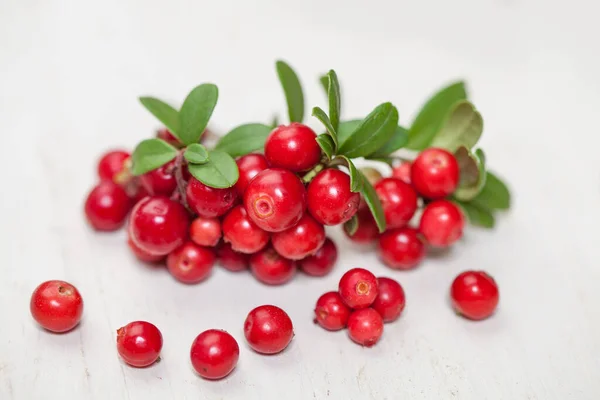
(442, 223)
(293, 147)
(330, 200)
(391, 300)
(399, 201)
(158, 225)
(434, 173)
(214, 354)
(107, 206)
(367, 230)
(322, 262)
(249, 166)
(168, 137)
(401, 248)
(268, 329)
(275, 199)
(207, 201)
(402, 171)
(139, 343)
(191, 263)
(270, 268)
(358, 288)
(231, 259)
(242, 233)
(111, 164)
(57, 306)
(474, 295)
(205, 231)
(160, 181)
(365, 326)
(141, 254)
(331, 312)
(301, 240)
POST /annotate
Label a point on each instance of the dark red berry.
(139, 343)
(160, 181)
(358, 288)
(442, 223)
(242, 233)
(207, 201)
(57, 306)
(268, 329)
(367, 230)
(402, 171)
(141, 254)
(390, 301)
(112, 164)
(191, 263)
(401, 248)
(301, 240)
(214, 354)
(275, 199)
(399, 201)
(231, 259)
(330, 200)
(365, 326)
(292, 147)
(158, 225)
(107, 206)
(205, 231)
(270, 268)
(474, 295)
(322, 262)
(249, 166)
(434, 173)
(331, 312)
(168, 137)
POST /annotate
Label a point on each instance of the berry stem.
(181, 183)
(312, 173)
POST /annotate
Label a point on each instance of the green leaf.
(165, 113)
(244, 139)
(373, 132)
(396, 142)
(324, 80)
(494, 195)
(462, 127)
(293, 91)
(335, 102)
(472, 173)
(326, 143)
(351, 226)
(356, 176)
(196, 154)
(431, 117)
(346, 129)
(196, 111)
(219, 172)
(372, 200)
(478, 215)
(151, 154)
(321, 116)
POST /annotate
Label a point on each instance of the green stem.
(312, 173)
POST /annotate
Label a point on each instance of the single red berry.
(111, 164)
(242, 233)
(230, 259)
(322, 262)
(391, 300)
(442, 223)
(141, 254)
(367, 230)
(158, 225)
(474, 295)
(301, 240)
(293, 147)
(214, 354)
(205, 231)
(107, 206)
(139, 343)
(191, 263)
(434, 173)
(168, 137)
(249, 166)
(402, 171)
(275, 199)
(160, 181)
(207, 201)
(331, 312)
(399, 201)
(268, 329)
(57, 306)
(358, 288)
(373, 175)
(330, 200)
(270, 268)
(401, 248)
(365, 326)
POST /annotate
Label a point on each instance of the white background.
(70, 73)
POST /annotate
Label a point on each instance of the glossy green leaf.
(324, 81)
(396, 142)
(433, 114)
(462, 127)
(372, 200)
(356, 176)
(478, 215)
(244, 139)
(494, 195)
(219, 172)
(351, 226)
(196, 154)
(346, 129)
(196, 112)
(319, 114)
(335, 101)
(151, 154)
(327, 146)
(293, 91)
(165, 113)
(472, 173)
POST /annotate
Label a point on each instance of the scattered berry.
(270, 268)
(301, 240)
(57, 306)
(401, 248)
(207, 201)
(330, 200)
(160, 181)
(111, 164)
(107, 206)
(399, 201)
(365, 326)
(474, 295)
(141, 254)
(358, 288)
(391, 300)
(249, 166)
(331, 312)
(268, 329)
(367, 230)
(322, 262)
(434, 173)
(205, 231)
(214, 354)
(231, 259)
(293, 147)
(139, 343)
(242, 233)
(191, 263)
(442, 223)
(402, 172)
